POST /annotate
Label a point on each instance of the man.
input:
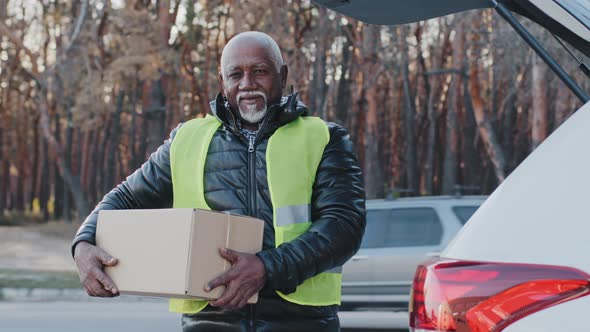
(261, 156)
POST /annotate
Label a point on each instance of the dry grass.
(15, 278)
(56, 229)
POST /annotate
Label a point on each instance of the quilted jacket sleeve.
(338, 220)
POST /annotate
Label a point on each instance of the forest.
(89, 88)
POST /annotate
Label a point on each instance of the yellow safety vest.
(293, 155)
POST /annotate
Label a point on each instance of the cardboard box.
(173, 252)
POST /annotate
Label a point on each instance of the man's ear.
(284, 73)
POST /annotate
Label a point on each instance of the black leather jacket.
(235, 181)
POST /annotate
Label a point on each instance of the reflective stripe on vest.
(293, 155)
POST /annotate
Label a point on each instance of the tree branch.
(447, 71)
(78, 26)
(4, 30)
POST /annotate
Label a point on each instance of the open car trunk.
(393, 12)
(568, 19)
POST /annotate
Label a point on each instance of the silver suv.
(400, 234)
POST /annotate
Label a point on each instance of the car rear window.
(463, 213)
(407, 227)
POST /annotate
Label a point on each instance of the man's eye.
(260, 71)
(234, 75)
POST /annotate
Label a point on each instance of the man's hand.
(245, 278)
(90, 261)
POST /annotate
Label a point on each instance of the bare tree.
(539, 101)
(409, 112)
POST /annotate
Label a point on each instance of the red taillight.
(450, 295)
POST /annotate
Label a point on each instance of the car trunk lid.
(568, 19)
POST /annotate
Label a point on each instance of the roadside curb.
(65, 294)
(41, 294)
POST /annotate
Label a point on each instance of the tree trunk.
(37, 165)
(409, 112)
(138, 132)
(111, 169)
(73, 182)
(469, 142)
(373, 168)
(92, 168)
(44, 185)
(155, 114)
(67, 196)
(508, 114)
(563, 107)
(41, 183)
(87, 181)
(22, 155)
(539, 97)
(433, 97)
(342, 108)
(449, 178)
(59, 195)
(132, 135)
(3, 9)
(102, 152)
(318, 92)
(3, 172)
(488, 136)
(4, 136)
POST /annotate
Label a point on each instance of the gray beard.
(252, 115)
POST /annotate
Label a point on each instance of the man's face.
(251, 81)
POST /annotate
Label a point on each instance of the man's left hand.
(245, 278)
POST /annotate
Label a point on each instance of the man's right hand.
(90, 261)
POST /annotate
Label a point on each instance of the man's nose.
(247, 82)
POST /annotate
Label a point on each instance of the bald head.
(251, 39)
(252, 75)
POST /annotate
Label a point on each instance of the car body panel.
(567, 316)
(544, 200)
(578, 8)
(538, 214)
(357, 274)
(554, 10)
(567, 19)
(392, 12)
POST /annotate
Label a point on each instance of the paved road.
(86, 316)
(106, 315)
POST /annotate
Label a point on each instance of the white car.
(522, 262)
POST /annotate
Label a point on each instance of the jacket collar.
(287, 110)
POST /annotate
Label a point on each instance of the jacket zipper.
(252, 141)
(252, 318)
(252, 177)
(252, 206)
(252, 182)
